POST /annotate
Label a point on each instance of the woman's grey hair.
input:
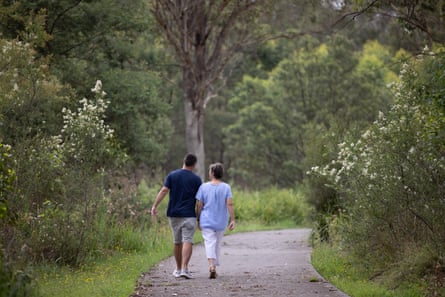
(217, 169)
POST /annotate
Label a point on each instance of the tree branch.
(61, 14)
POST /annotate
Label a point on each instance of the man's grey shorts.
(183, 229)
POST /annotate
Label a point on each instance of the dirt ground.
(265, 263)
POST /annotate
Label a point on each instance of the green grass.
(116, 275)
(112, 276)
(336, 268)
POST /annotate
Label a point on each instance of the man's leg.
(175, 225)
(188, 230)
(177, 251)
(187, 248)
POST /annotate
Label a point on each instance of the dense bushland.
(319, 88)
(61, 173)
(78, 168)
(390, 183)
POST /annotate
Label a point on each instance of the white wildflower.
(98, 88)
(381, 115)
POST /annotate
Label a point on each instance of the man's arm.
(162, 193)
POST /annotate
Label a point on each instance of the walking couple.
(193, 204)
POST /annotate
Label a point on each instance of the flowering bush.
(61, 184)
(85, 138)
(392, 179)
(7, 178)
(61, 162)
(83, 153)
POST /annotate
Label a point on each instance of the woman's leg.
(210, 244)
(209, 237)
(219, 239)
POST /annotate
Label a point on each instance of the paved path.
(265, 263)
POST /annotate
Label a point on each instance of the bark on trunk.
(194, 134)
(205, 36)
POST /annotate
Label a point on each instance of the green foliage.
(148, 242)
(333, 263)
(91, 40)
(138, 114)
(392, 180)
(31, 98)
(112, 41)
(85, 137)
(351, 99)
(261, 142)
(271, 206)
(28, 26)
(114, 275)
(420, 19)
(329, 87)
(14, 283)
(66, 198)
(7, 179)
(60, 183)
(55, 217)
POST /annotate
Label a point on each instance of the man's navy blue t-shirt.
(183, 185)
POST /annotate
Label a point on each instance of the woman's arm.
(231, 213)
(199, 206)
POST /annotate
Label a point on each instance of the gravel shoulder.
(264, 263)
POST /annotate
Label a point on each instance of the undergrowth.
(115, 272)
(339, 269)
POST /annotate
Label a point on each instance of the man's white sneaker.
(176, 273)
(186, 274)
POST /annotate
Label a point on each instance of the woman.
(214, 208)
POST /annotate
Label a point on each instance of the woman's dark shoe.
(212, 273)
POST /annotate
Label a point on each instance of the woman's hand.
(232, 225)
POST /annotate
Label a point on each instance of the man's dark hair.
(190, 160)
(218, 170)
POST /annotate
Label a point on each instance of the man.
(183, 185)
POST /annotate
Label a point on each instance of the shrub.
(393, 179)
(14, 283)
(60, 187)
(271, 206)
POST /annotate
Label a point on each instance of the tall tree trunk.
(194, 134)
(194, 109)
(205, 35)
